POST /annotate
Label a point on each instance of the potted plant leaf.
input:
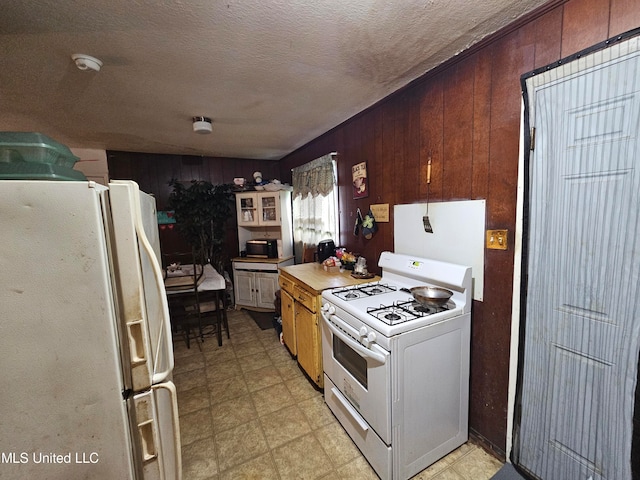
(201, 211)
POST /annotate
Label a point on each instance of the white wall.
(93, 163)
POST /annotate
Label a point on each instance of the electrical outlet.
(497, 239)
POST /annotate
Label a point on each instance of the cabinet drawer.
(286, 284)
(305, 298)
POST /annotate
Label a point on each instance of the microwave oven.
(262, 248)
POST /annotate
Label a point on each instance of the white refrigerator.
(86, 353)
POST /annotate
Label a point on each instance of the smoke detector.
(86, 62)
(202, 125)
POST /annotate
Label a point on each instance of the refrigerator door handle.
(162, 295)
(171, 391)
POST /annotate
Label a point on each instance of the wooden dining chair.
(213, 312)
(308, 253)
(185, 304)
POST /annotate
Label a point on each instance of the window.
(315, 203)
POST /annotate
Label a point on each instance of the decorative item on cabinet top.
(241, 184)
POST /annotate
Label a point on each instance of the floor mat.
(263, 319)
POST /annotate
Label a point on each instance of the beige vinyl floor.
(248, 412)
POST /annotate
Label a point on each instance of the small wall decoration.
(380, 211)
(359, 176)
(166, 217)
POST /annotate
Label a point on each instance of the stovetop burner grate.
(404, 311)
(363, 290)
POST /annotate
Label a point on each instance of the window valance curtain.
(315, 178)
(315, 203)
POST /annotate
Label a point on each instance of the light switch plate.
(497, 239)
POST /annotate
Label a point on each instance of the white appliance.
(397, 373)
(85, 339)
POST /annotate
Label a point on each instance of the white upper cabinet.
(265, 215)
(259, 208)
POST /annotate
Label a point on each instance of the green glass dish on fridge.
(34, 156)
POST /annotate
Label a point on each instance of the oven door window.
(350, 360)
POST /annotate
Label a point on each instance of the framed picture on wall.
(359, 177)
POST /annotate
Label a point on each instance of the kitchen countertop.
(261, 260)
(313, 276)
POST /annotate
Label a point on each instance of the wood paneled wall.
(466, 115)
(153, 173)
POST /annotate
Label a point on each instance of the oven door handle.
(365, 352)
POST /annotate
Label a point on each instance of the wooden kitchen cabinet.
(287, 291)
(308, 342)
(301, 325)
(288, 321)
(302, 285)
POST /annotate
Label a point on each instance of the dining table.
(178, 279)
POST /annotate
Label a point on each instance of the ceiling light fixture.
(202, 125)
(86, 62)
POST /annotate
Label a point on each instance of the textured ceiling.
(272, 75)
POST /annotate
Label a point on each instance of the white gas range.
(397, 373)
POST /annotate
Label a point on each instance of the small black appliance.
(326, 249)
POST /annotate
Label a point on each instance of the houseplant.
(201, 211)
